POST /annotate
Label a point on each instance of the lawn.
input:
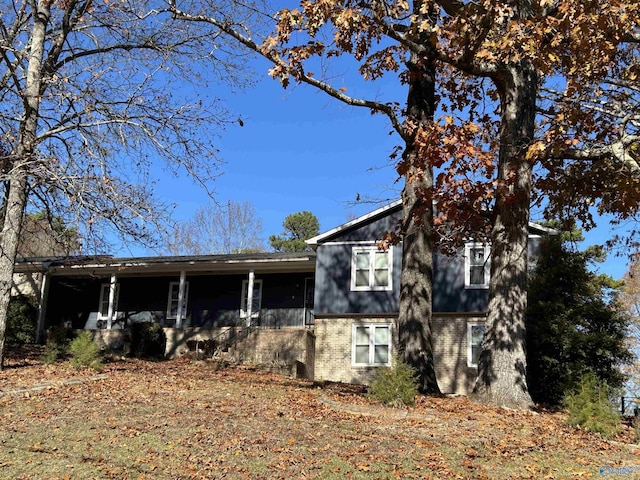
(181, 419)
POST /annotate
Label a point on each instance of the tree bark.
(415, 309)
(502, 366)
(24, 155)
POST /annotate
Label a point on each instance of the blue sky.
(301, 150)
(298, 150)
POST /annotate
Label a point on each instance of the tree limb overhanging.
(297, 73)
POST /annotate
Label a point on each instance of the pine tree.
(575, 324)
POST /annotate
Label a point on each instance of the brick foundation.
(287, 346)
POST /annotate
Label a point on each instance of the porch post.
(179, 310)
(250, 297)
(112, 299)
(42, 304)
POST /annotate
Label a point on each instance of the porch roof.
(203, 264)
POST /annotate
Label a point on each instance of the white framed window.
(371, 268)
(256, 302)
(475, 333)
(477, 268)
(371, 345)
(172, 301)
(103, 306)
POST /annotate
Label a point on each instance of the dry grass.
(188, 420)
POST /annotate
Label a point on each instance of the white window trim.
(467, 265)
(243, 298)
(370, 287)
(184, 301)
(470, 326)
(104, 291)
(372, 345)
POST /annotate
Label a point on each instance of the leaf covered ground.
(190, 420)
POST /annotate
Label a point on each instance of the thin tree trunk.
(415, 310)
(24, 153)
(502, 367)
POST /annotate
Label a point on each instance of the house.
(330, 313)
(357, 302)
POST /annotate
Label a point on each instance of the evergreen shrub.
(21, 320)
(57, 346)
(591, 408)
(85, 352)
(395, 386)
(147, 340)
(51, 353)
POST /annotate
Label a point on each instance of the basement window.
(372, 345)
(475, 333)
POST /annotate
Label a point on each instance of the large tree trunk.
(24, 153)
(415, 310)
(502, 367)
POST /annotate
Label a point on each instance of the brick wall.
(333, 350)
(272, 346)
(324, 354)
(333, 354)
(310, 362)
(177, 338)
(450, 352)
(109, 339)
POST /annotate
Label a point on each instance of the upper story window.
(476, 265)
(256, 302)
(372, 345)
(475, 333)
(172, 303)
(103, 307)
(371, 268)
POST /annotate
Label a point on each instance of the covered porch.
(262, 290)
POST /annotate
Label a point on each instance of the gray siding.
(334, 295)
(333, 275)
(449, 292)
(374, 229)
(333, 270)
(333, 284)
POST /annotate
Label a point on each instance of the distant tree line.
(235, 227)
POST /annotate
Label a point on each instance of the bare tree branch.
(298, 74)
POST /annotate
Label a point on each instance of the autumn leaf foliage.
(585, 58)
